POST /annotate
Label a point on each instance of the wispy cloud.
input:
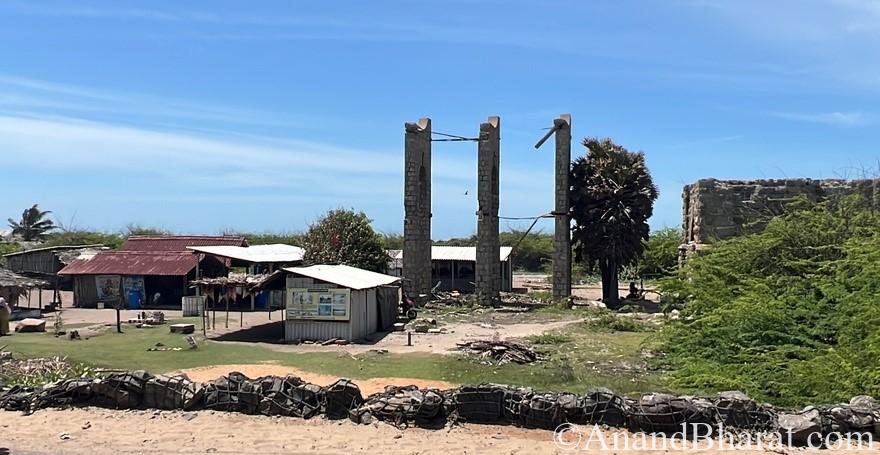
(25, 94)
(842, 119)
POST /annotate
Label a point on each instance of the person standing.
(5, 312)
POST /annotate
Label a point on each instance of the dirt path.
(92, 431)
(434, 343)
(367, 386)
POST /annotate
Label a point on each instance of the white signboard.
(318, 304)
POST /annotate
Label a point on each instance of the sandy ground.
(367, 386)
(92, 431)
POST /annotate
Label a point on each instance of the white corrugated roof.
(345, 276)
(455, 253)
(278, 252)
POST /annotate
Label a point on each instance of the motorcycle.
(407, 307)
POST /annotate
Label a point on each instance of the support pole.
(417, 209)
(562, 234)
(488, 266)
(226, 297)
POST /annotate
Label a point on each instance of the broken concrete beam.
(30, 325)
(183, 328)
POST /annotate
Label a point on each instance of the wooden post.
(118, 316)
(214, 310)
(40, 298)
(227, 306)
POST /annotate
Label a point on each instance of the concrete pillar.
(417, 208)
(488, 267)
(562, 237)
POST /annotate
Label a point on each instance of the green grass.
(579, 358)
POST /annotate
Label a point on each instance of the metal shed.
(324, 302)
(453, 268)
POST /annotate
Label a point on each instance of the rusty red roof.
(179, 243)
(133, 263)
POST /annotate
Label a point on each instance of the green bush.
(788, 315)
(661, 254)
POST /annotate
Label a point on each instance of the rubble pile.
(500, 352)
(430, 408)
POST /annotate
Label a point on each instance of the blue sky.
(218, 115)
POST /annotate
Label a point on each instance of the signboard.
(108, 288)
(318, 304)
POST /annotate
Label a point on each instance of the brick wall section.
(488, 267)
(417, 208)
(562, 237)
(719, 209)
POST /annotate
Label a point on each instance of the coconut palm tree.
(612, 197)
(33, 224)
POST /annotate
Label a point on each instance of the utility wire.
(452, 138)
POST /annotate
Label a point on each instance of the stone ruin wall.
(720, 209)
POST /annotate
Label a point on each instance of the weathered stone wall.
(488, 268)
(719, 209)
(417, 208)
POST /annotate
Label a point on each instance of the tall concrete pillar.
(488, 267)
(562, 237)
(417, 208)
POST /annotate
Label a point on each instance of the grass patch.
(550, 338)
(608, 321)
(580, 358)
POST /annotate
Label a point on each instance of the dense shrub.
(789, 315)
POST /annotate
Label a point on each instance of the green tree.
(345, 237)
(660, 257)
(612, 198)
(33, 224)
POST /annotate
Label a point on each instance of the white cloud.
(845, 119)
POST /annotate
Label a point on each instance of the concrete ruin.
(488, 268)
(720, 209)
(417, 208)
(562, 217)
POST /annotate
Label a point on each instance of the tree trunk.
(610, 293)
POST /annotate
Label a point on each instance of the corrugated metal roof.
(179, 243)
(455, 253)
(133, 263)
(277, 252)
(345, 276)
(54, 248)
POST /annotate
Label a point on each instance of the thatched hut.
(13, 285)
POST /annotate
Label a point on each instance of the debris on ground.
(35, 371)
(500, 352)
(421, 325)
(152, 318)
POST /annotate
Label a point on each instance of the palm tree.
(612, 197)
(33, 224)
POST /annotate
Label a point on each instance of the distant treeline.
(533, 252)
